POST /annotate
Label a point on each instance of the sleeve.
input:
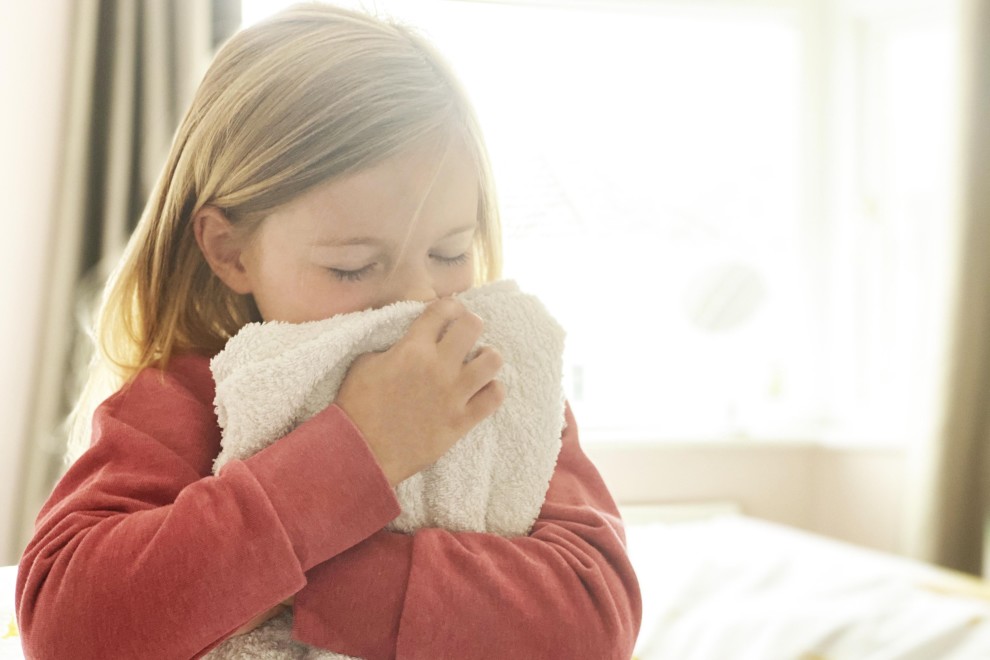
(567, 590)
(139, 553)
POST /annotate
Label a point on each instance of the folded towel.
(271, 377)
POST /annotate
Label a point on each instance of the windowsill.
(630, 440)
(853, 492)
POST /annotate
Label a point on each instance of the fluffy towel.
(272, 376)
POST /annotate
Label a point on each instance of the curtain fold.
(135, 65)
(952, 525)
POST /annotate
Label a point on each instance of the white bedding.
(735, 588)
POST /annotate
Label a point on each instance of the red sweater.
(141, 553)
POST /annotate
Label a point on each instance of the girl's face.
(401, 230)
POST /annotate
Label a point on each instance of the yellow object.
(11, 631)
(959, 584)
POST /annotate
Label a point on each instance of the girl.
(329, 163)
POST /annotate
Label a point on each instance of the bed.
(730, 587)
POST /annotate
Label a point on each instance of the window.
(891, 227)
(738, 209)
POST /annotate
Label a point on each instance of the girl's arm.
(565, 591)
(139, 553)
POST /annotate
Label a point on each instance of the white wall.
(34, 42)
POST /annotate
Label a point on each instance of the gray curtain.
(135, 65)
(953, 524)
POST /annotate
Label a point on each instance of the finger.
(433, 322)
(461, 336)
(486, 401)
(481, 370)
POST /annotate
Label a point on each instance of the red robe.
(141, 553)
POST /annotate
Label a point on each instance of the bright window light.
(661, 173)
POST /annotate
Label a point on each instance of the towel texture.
(271, 377)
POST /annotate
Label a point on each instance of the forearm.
(140, 556)
(440, 594)
(566, 590)
(557, 593)
(125, 584)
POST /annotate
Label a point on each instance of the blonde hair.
(313, 93)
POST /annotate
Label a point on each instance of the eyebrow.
(368, 240)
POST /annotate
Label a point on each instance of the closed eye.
(351, 275)
(451, 261)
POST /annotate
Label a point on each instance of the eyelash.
(351, 275)
(357, 275)
(451, 261)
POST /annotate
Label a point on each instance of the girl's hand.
(415, 400)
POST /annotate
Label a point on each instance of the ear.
(222, 248)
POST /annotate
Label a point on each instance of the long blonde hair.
(313, 93)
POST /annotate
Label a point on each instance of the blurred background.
(760, 222)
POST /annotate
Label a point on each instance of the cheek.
(455, 280)
(346, 299)
(315, 296)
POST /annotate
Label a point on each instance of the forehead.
(424, 189)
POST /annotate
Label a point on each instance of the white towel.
(271, 377)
